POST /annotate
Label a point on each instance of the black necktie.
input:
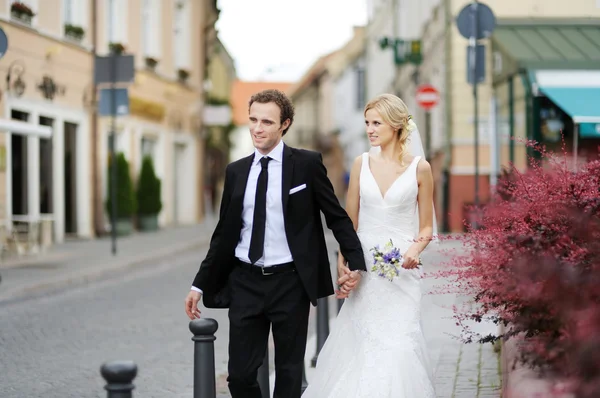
(257, 242)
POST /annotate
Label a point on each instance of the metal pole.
(119, 377)
(113, 140)
(575, 145)
(322, 327)
(304, 382)
(263, 376)
(204, 330)
(473, 43)
(428, 135)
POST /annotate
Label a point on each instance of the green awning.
(537, 44)
(576, 92)
(581, 103)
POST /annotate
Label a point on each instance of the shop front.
(546, 83)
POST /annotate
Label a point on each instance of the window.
(148, 147)
(75, 13)
(152, 28)
(182, 47)
(116, 21)
(75, 18)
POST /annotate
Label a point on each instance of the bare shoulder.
(423, 167)
(356, 166)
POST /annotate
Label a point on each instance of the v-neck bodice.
(392, 211)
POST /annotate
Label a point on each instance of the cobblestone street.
(61, 338)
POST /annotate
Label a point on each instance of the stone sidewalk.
(79, 262)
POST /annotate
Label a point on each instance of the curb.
(92, 275)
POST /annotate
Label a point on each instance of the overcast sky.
(280, 39)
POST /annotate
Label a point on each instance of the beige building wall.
(165, 113)
(39, 55)
(444, 66)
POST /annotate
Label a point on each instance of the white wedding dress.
(376, 347)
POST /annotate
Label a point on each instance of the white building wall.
(348, 113)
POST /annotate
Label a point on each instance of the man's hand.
(191, 304)
(347, 281)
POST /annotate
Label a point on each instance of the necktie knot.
(264, 161)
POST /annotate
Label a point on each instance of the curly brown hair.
(280, 99)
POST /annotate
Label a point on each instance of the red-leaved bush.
(533, 265)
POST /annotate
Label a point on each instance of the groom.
(267, 259)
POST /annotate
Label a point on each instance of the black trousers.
(257, 303)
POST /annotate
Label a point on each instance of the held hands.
(347, 281)
(191, 304)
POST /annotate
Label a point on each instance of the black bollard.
(304, 382)
(204, 338)
(119, 377)
(322, 327)
(340, 302)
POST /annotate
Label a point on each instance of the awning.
(577, 93)
(582, 104)
(548, 44)
(22, 128)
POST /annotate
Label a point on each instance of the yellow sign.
(145, 108)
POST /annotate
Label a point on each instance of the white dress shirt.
(276, 248)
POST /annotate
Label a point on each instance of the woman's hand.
(411, 258)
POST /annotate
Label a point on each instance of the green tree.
(126, 200)
(148, 189)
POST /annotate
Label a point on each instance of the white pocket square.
(298, 188)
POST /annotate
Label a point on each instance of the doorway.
(18, 148)
(70, 160)
(46, 170)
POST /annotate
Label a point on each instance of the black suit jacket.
(303, 227)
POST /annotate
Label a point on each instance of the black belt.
(269, 270)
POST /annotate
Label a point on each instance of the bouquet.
(387, 261)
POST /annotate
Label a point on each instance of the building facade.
(169, 42)
(46, 181)
(54, 153)
(448, 130)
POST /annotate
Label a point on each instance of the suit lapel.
(243, 172)
(287, 174)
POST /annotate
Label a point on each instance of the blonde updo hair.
(394, 112)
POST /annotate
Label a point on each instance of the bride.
(376, 348)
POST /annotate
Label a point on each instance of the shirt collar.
(275, 154)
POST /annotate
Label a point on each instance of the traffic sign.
(427, 96)
(3, 43)
(476, 20)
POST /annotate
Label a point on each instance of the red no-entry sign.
(427, 96)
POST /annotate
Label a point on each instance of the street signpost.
(109, 71)
(476, 21)
(3, 43)
(427, 98)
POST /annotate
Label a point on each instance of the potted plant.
(126, 199)
(148, 196)
(151, 62)
(75, 32)
(116, 48)
(22, 12)
(183, 75)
